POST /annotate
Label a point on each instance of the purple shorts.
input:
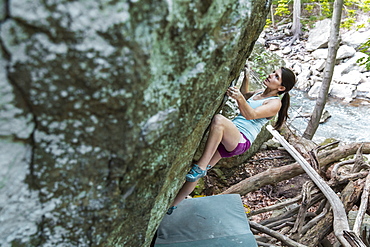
(241, 148)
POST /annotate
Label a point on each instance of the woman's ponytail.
(283, 112)
(288, 81)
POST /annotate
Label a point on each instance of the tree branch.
(284, 239)
(340, 216)
(363, 206)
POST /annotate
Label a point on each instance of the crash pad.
(206, 221)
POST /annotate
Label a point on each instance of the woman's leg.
(185, 190)
(222, 131)
(188, 187)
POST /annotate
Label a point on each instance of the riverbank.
(349, 94)
(306, 56)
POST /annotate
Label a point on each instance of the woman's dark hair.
(288, 81)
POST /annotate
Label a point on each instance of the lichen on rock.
(116, 97)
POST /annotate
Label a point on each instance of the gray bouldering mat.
(207, 221)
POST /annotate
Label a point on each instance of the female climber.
(228, 138)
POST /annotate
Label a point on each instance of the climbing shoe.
(195, 173)
(170, 210)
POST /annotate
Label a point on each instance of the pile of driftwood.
(338, 184)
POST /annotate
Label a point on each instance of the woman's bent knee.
(218, 120)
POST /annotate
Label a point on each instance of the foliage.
(309, 6)
(320, 9)
(365, 5)
(264, 62)
(326, 8)
(350, 8)
(365, 48)
(268, 23)
(282, 8)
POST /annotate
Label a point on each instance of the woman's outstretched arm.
(244, 89)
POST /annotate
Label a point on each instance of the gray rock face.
(106, 103)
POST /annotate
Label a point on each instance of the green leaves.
(365, 48)
(324, 9)
(282, 8)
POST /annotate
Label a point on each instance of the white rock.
(319, 65)
(303, 77)
(297, 68)
(345, 51)
(353, 77)
(320, 54)
(301, 57)
(353, 61)
(338, 71)
(354, 38)
(287, 50)
(350, 65)
(318, 37)
(261, 41)
(315, 89)
(307, 59)
(316, 73)
(363, 89)
(316, 79)
(343, 91)
(273, 47)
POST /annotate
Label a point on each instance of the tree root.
(300, 226)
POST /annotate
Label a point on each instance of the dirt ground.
(217, 182)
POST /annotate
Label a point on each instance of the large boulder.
(106, 103)
(355, 38)
(318, 36)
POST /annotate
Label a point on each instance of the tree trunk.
(297, 26)
(328, 72)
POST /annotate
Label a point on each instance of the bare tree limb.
(358, 175)
(279, 222)
(276, 206)
(265, 244)
(334, 172)
(330, 156)
(359, 162)
(289, 224)
(313, 222)
(363, 206)
(284, 239)
(275, 175)
(349, 196)
(271, 176)
(340, 216)
(306, 200)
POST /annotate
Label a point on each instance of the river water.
(347, 123)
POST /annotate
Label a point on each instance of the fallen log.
(312, 236)
(349, 196)
(328, 157)
(277, 206)
(341, 227)
(284, 239)
(271, 176)
(275, 175)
